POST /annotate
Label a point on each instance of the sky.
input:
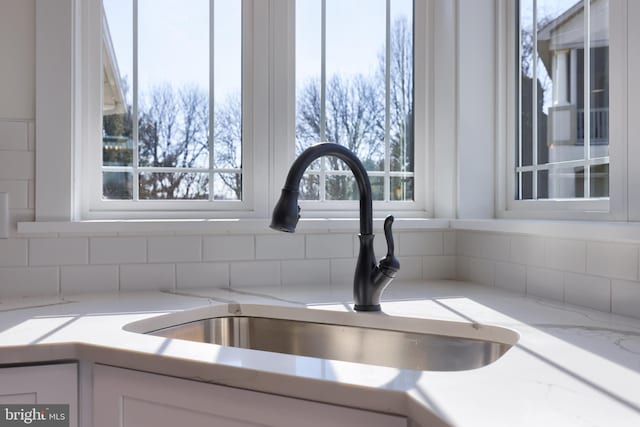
(174, 39)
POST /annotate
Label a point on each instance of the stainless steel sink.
(392, 348)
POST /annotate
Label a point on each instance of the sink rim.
(376, 320)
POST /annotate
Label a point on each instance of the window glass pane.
(117, 186)
(564, 119)
(227, 83)
(117, 56)
(361, 96)
(566, 182)
(401, 87)
(401, 188)
(308, 73)
(173, 81)
(599, 178)
(173, 186)
(355, 56)
(310, 187)
(160, 84)
(227, 186)
(341, 187)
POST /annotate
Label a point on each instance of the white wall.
(17, 62)
(17, 107)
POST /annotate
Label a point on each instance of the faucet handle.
(389, 265)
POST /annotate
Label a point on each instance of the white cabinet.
(131, 398)
(43, 384)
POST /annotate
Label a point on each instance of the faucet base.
(359, 307)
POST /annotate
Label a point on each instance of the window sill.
(591, 230)
(216, 226)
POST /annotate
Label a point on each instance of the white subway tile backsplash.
(566, 255)
(449, 243)
(342, 272)
(228, 248)
(27, 282)
(13, 252)
(483, 245)
(17, 165)
(118, 250)
(203, 275)
(420, 243)
(329, 246)
(438, 267)
(306, 272)
(64, 251)
(512, 277)
(255, 273)
(280, 246)
(527, 250)
(625, 298)
(88, 278)
(18, 193)
(138, 277)
(587, 291)
(175, 249)
(410, 268)
(13, 135)
(463, 268)
(614, 260)
(482, 271)
(545, 283)
(31, 135)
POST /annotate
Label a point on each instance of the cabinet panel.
(45, 384)
(131, 399)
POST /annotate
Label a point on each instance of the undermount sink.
(444, 346)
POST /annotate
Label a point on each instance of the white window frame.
(284, 107)
(615, 208)
(68, 113)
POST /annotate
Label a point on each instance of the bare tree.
(173, 133)
(227, 144)
(355, 116)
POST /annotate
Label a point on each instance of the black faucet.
(370, 279)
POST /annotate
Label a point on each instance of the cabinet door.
(44, 384)
(130, 399)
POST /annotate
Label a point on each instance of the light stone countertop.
(571, 366)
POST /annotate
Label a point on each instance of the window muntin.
(354, 86)
(173, 127)
(562, 45)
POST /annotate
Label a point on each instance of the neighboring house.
(561, 49)
(113, 99)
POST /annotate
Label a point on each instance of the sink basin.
(406, 349)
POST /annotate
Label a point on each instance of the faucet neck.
(360, 173)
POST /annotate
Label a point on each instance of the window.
(354, 87)
(172, 104)
(188, 109)
(562, 144)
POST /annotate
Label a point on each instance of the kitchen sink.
(405, 349)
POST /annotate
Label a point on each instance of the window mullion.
(323, 95)
(211, 96)
(534, 100)
(134, 121)
(587, 98)
(387, 104)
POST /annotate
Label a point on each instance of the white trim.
(579, 230)
(219, 226)
(613, 208)
(55, 34)
(69, 117)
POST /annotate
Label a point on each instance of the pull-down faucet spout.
(370, 279)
